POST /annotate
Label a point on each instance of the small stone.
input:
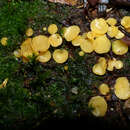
(74, 90)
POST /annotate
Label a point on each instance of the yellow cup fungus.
(66, 67)
(52, 29)
(60, 55)
(44, 28)
(111, 21)
(100, 67)
(112, 31)
(4, 83)
(99, 26)
(99, 106)
(17, 53)
(119, 35)
(29, 32)
(4, 41)
(55, 40)
(44, 56)
(119, 47)
(40, 43)
(77, 41)
(81, 53)
(126, 21)
(90, 35)
(26, 49)
(86, 45)
(101, 44)
(104, 89)
(114, 63)
(71, 32)
(122, 88)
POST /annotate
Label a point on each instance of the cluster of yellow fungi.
(94, 40)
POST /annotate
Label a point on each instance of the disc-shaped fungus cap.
(100, 67)
(55, 40)
(70, 33)
(104, 89)
(29, 32)
(111, 21)
(119, 47)
(44, 56)
(112, 31)
(40, 43)
(26, 49)
(52, 29)
(119, 35)
(4, 41)
(60, 55)
(114, 63)
(126, 21)
(99, 26)
(86, 45)
(17, 53)
(98, 105)
(77, 40)
(122, 88)
(102, 44)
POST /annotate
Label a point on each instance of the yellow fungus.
(4, 41)
(122, 88)
(60, 55)
(77, 41)
(40, 43)
(26, 49)
(119, 35)
(99, 106)
(99, 26)
(52, 29)
(70, 33)
(81, 53)
(102, 44)
(126, 21)
(66, 67)
(44, 28)
(17, 53)
(29, 32)
(111, 21)
(104, 89)
(100, 67)
(112, 31)
(119, 47)
(44, 56)
(55, 40)
(4, 83)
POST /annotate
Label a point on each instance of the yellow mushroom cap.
(86, 45)
(44, 56)
(111, 64)
(102, 44)
(99, 26)
(104, 89)
(55, 40)
(119, 47)
(4, 41)
(40, 43)
(122, 88)
(81, 53)
(17, 53)
(44, 28)
(29, 32)
(112, 31)
(90, 35)
(66, 67)
(52, 29)
(99, 106)
(70, 33)
(77, 41)
(111, 21)
(126, 21)
(60, 55)
(118, 64)
(100, 67)
(4, 83)
(26, 49)
(119, 35)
